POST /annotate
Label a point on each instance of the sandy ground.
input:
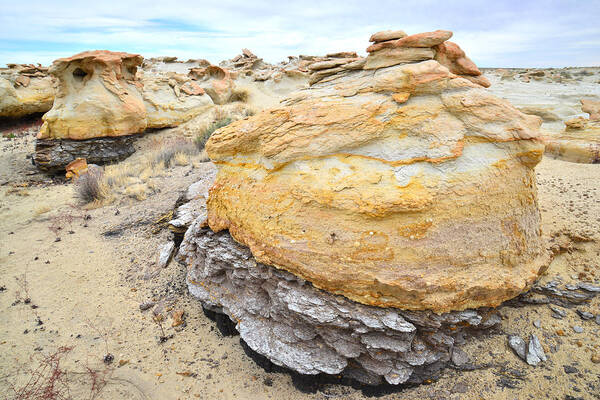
(87, 287)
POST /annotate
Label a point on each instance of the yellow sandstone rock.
(579, 142)
(404, 186)
(98, 95)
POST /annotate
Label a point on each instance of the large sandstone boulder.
(98, 95)
(25, 90)
(359, 226)
(172, 99)
(426, 204)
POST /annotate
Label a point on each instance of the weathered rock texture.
(580, 141)
(98, 95)
(216, 81)
(24, 90)
(53, 155)
(295, 325)
(406, 186)
(248, 65)
(172, 99)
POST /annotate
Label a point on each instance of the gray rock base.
(310, 331)
(53, 155)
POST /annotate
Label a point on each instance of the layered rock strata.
(53, 155)
(25, 89)
(311, 331)
(383, 186)
(580, 141)
(324, 67)
(354, 229)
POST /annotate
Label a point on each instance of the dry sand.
(88, 288)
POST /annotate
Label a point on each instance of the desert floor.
(86, 270)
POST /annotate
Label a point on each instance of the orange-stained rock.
(479, 80)
(591, 107)
(425, 39)
(98, 95)
(217, 82)
(75, 168)
(452, 56)
(426, 204)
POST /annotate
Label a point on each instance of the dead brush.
(91, 187)
(241, 94)
(167, 155)
(47, 379)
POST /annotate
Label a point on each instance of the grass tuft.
(90, 186)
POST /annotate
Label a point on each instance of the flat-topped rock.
(387, 35)
(425, 39)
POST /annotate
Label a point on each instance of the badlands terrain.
(84, 291)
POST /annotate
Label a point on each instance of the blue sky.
(494, 33)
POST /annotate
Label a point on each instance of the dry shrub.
(167, 154)
(181, 159)
(240, 94)
(137, 191)
(91, 187)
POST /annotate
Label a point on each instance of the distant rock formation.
(98, 96)
(249, 66)
(103, 101)
(373, 212)
(215, 81)
(25, 89)
(172, 99)
(580, 141)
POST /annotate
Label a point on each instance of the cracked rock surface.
(298, 326)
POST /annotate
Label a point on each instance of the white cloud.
(499, 33)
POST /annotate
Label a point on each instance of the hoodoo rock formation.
(98, 95)
(580, 141)
(98, 105)
(25, 89)
(358, 228)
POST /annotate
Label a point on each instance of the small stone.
(596, 358)
(459, 357)
(589, 287)
(585, 314)
(146, 305)
(165, 253)
(570, 369)
(598, 319)
(518, 345)
(535, 352)
(558, 313)
(577, 329)
(537, 323)
(387, 35)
